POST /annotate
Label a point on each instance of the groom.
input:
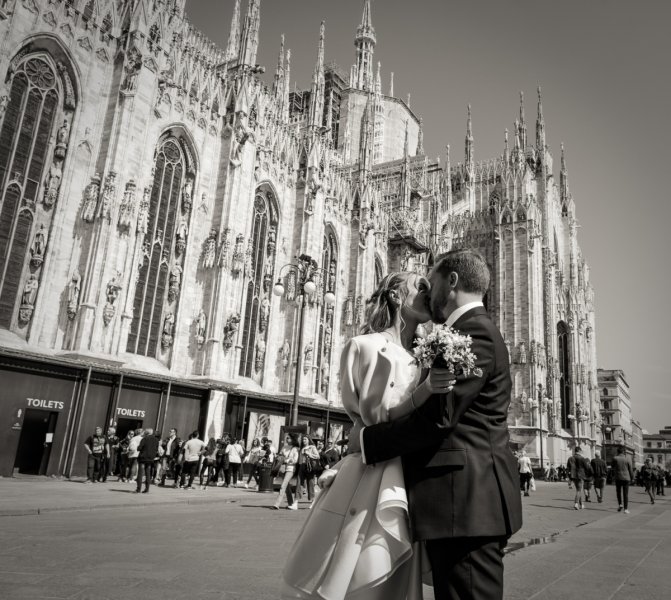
(461, 476)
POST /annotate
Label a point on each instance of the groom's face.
(440, 294)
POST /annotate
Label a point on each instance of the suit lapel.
(478, 310)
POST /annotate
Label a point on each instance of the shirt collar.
(462, 310)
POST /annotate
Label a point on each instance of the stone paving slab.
(228, 544)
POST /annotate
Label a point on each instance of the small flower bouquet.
(445, 347)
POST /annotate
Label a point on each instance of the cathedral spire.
(378, 79)
(523, 123)
(278, 84)
(506, 150)
(391, 85)
(318, 84)
(364, 41)
(250, 35)
(563, 179)
(540, 125)
(420, 138)
(469, 141)
(233, 47)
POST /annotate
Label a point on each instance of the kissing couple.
(430, 484)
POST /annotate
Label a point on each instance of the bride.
(356, 542)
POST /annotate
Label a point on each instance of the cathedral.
(188, 243)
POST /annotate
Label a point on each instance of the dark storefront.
(48, 410)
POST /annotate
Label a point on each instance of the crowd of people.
(584, 475)
(144, 457)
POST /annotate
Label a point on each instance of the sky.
(603, 66)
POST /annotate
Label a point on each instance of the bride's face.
(417, 304)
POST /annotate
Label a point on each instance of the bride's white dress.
(356, 542)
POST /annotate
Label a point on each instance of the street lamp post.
(305, 269)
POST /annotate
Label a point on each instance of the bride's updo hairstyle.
(380, 310)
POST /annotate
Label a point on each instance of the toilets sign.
(130, 412)
(45, 404)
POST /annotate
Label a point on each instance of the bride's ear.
(393, 297)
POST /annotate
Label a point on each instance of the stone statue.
(132, 70)
(91, 199)
(28, 298)
(127, 207)
(523, 400)
(285, 354)
(112, 293)
(522, 354)
(62, 138)
(143, 211)
(182, 231)
(242, 135)
(349, 312)
(53, 184)
(238, 255)
(175, 283)
(272, 240)
(325, 369)
(210, 253)
(39, 246)
(187, 195)
(260, 355)
(534, 352)
(168, 327)
(230, 329)
(224, 249)
(509, 346)
(74, 289)
(201, 327)
(307, 354)
(109, 192)
(30, 291)
(249, 262)
(265, 314)
(327, 337)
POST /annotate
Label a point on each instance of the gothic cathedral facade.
(154, 188)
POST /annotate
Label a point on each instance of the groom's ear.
(453, 279)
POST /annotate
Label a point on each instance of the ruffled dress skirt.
(356, 541)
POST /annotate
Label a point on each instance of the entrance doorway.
(37, 435)
(123, 426)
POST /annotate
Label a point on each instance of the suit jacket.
(460, 473)
(148, 449)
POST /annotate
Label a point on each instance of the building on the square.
(657, 446)
(616, 421)
(154, 188)
(637, 442)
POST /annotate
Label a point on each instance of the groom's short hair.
(469, 265)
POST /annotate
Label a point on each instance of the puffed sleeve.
(349, 378)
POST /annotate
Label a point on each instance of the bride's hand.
(354, 442)
(326, 478)
(440, 381)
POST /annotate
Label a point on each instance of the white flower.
(453, 347)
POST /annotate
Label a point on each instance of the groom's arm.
(437, 418)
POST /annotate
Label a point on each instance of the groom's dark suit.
(460, 474)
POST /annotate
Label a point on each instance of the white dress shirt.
(462, 310)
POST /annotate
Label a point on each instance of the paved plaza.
(61, 539)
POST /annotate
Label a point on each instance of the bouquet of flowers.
(447, 348)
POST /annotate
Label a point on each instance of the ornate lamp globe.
(310, 287)
(278, 290)
(329, 298)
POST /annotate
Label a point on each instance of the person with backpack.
(599, 471)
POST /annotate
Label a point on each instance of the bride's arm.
(419, 395)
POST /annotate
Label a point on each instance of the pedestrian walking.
(287, 470)
(309, 467)
(253, 458)
(223, 464)
(147, 453)
(588, 481)
(661, 477)
(171, 446)
(133, 453)
(599, 472)
(524, 468)
(109, 466)
(235, 454)
(209, 465)
(575, 466)
(623, 475)
(98, 449)
(649, 476)
(193, 450)
(123, 456)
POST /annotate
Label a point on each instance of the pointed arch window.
(89, 10)
(30, 119)
(564, 373)
(326, 316)
(159, 276)
(259, 269)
